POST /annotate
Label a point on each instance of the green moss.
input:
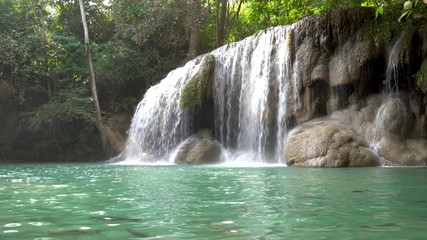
(386, 26)
(199, 86)
(382, 31)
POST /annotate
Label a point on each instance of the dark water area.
(99, 201)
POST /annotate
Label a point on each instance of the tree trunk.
(195, 22)
(92, 75)
(221, 9)
(225, 16)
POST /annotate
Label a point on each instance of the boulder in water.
(200, 148)
(328, 144)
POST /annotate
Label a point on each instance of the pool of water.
(55, 201)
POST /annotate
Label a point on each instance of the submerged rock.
(200, 148)
(328, 144)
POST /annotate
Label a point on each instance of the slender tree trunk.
(92, 75)
(194, 43)
(195, 23)
(225, 16)
(220, 21)
(46, 64)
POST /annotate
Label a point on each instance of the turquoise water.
(182, 202)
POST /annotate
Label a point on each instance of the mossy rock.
(199, 87)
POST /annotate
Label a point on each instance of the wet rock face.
(394, 117)
(199, 148)
(412, 152)
(391, 125)
(381, 125)
(328, 144)
(348, 63)
(394, 131)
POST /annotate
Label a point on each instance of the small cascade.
(391, 84)
(391, 118)
(392, 110)
(251, 80)
(399, 58)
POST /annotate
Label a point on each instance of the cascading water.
(394, 73)
(391, 112)
(159, 124)
(250, 86)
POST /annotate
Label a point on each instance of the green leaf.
(380, 11)
(407, 6)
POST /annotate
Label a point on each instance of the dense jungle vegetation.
(46, 106)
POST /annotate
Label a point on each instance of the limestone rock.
(306, 60)
(199, 148)
(348, 63)
(412, 152)
(327, 144)
(360, 116)
(321, 71)
(313, 101)
(402, 51)
(394, 117)
(422, 126)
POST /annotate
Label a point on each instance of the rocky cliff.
(370, 91)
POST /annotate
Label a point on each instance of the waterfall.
(250, 86)
(251, 81)
(159, 124)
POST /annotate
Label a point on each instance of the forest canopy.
(45, 101)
